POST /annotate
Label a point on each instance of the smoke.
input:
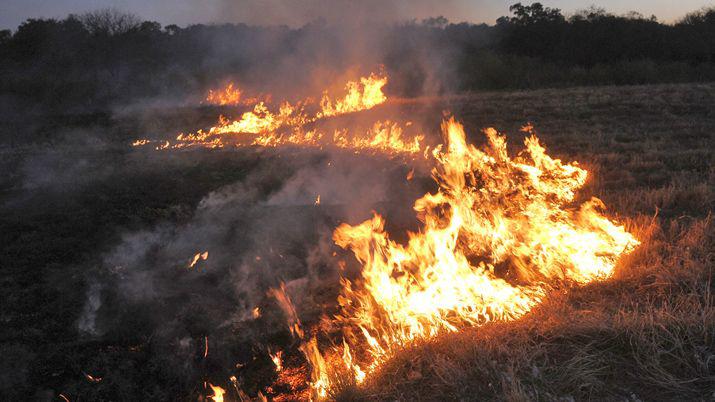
(88, 320)
(260, 231)
(330, 42)
(344, 13)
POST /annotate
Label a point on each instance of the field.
(98, 303)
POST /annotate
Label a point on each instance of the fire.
(198, 256)
(92, 378)
(492, 214)
(383, 136)
(218, 393)
(497, 232)
(277, 359)
(229, 95)
(361, 95)
(264, 127)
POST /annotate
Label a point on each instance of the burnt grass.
(648, 333)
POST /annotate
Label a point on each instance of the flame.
(384, 136)
(92, 378)
(490, 211)
(229, 95)
(277, 359)
(198, 256)
(492, 238)
(286, 126)
(218, 393)
(362, 95)
(288, 309)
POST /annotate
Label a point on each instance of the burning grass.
(646, 332)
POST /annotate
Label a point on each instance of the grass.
(645, 334)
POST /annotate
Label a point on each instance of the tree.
(534, 14)
(172, 29)
(5, 36)
(109, 21)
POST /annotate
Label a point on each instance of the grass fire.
(320, 202)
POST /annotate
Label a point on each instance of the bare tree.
(109, 21)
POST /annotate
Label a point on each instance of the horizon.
(280, 12)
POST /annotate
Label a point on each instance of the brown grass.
(648, 333)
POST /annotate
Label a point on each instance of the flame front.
(492, 214)
(264, 127)
(493, 236)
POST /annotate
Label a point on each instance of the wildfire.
(277, 359)
(218, 393)
(230, 95)
(287, 125)
(361, 95)
(198, 256)
(492, 237)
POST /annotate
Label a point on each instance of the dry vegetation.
(646, 334)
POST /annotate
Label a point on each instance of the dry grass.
(648, 333)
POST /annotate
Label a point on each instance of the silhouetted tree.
(536, 13)
(109, 21)
(97, 59)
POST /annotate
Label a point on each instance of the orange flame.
(198, 256)
(362, 95)
(491, 213)
(277, 359)
(218, 393)
(286, 126)
(92, 378)
(229, 95)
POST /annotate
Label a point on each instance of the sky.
(298, 12)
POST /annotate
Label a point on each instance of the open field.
(96, 235)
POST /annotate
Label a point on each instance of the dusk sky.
(298, 12)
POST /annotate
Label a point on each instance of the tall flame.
(218, 393)
(491, 213)
(361, 95)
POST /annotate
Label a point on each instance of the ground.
(73, 197)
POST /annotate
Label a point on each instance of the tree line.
(107, 57)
